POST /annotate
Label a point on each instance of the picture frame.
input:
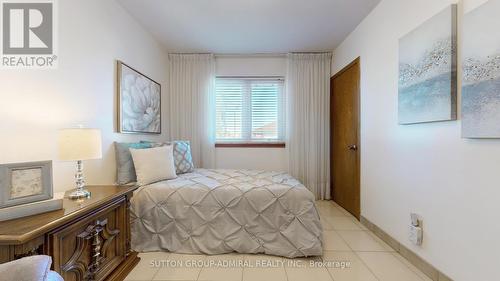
(427, 86)
(139, 102)
(22, 183)
(480, 102)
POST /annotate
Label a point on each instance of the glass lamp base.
(79, 193)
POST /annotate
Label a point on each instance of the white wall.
(34, 104)
(453, 183)
(274, 159)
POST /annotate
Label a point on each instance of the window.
(249, 110)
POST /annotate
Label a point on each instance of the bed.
(223, 211)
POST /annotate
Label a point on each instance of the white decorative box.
(24, 210)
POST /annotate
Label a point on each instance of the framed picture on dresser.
(22, 183)
(139, 102)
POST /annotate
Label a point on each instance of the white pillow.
(154, 164)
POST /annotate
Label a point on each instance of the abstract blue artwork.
(428, 71)
(481, 72)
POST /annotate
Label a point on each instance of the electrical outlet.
(414, 219)
(416, 234)
(415, 230)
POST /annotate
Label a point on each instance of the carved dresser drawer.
(88, 240)
(93, 246)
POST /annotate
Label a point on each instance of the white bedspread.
(222, 211)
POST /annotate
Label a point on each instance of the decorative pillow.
(125, 170)
(154, 164)
(182, 155)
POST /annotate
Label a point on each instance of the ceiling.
(249, 26)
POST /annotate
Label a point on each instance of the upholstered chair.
(34, 268)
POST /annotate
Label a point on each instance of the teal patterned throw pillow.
(182, 157)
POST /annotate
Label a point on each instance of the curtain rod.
(263, 77)
(237, 54)
(266, 54)
(251, 55)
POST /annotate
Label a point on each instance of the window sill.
(251, 144)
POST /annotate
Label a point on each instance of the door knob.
(353, 147)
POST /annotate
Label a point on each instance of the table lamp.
(77, 145)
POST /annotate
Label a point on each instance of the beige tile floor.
(351, 253)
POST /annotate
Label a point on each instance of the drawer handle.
(92, 233)
(96, 248)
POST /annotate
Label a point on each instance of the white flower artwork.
(140, 102)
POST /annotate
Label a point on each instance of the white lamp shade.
(80, 144)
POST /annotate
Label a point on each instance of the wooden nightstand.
(88, 240)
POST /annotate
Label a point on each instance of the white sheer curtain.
(308, 120)
(192, 104)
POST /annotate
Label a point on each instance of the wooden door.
(344, 139)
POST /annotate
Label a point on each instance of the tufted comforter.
(222, 211)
